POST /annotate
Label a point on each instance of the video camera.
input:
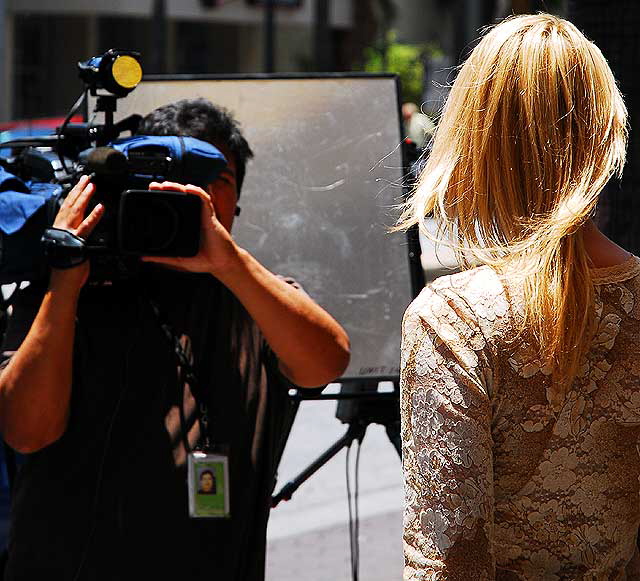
(40, 171)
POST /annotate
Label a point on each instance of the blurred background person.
(417, 126)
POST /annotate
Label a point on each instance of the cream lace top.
(499, 483)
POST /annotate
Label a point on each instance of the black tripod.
(359, 405)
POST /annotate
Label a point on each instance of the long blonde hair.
(533, 129)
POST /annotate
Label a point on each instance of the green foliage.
(405, 60)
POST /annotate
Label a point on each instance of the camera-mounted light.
(116, 71)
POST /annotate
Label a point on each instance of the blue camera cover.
(20, 200)
(193, 161)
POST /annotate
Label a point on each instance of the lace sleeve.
(446, 439)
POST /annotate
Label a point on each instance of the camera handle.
(62, 249)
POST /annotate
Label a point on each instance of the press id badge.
(208, 483)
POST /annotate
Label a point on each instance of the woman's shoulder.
(478, 289)
(472, 303)
(465, 312)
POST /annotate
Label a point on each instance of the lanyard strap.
(186, 374)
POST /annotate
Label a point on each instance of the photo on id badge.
(208, 485)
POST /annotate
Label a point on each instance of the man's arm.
(35, 386)
(313, 349)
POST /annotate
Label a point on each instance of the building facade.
(42, 41)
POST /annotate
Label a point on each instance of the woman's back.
(521, 392)
(500, 472)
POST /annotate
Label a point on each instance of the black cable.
(183, 420)
(61, 129)
(356, 540)
(354, 573)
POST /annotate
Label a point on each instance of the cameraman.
(94, 397)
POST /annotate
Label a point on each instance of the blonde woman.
(521, 376)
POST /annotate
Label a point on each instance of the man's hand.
(71, 217)
(218, 252)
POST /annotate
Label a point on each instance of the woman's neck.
(602, 251)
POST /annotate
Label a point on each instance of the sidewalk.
(323, 555)
(308, 536)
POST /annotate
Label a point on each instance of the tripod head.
(367, 405)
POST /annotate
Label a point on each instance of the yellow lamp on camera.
(116, 71)
(126, 72)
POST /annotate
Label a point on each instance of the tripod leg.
(355, 432)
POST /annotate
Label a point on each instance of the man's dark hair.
(203, 120)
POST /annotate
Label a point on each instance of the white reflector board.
(318, 197)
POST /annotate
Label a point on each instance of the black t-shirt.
(109, 498)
